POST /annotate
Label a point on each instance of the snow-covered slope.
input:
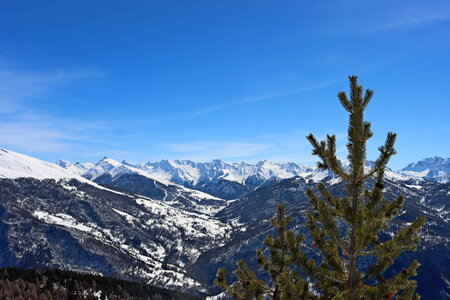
(72, 225)
(15, 165)
(112, 173)
(433, 168)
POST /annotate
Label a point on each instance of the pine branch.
(326, 150)
(386, 152)
(406, 239)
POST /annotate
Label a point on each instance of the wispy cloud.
(19, 87)
(286, 147)
(413, 16)
(24, 125)
(204, 151)
(273, 96)
(232, 103)
(32, 136)
(28, 128)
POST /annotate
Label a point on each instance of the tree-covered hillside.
(49, 284)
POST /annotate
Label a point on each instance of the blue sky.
(235, 80)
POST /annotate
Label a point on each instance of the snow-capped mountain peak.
(435, 163)
(64, 163)
(432, 168)
(77, 168)
(114, 168)
(189, 172)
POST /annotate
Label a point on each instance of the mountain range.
(173, 223)
(234, 180)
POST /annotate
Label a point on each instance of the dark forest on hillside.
(54, 284)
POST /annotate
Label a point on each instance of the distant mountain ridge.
(218, 178)
(77, 168)
(234, 180)
(433, 168)
(189, 172)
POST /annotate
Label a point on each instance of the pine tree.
(284, 252)
(345, 230)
